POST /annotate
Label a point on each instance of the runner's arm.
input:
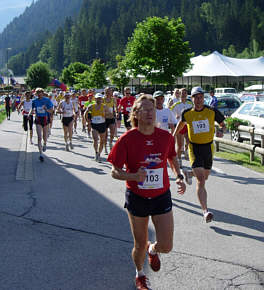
(119, 107)
(219, 118)
(171, 126)
(86, 115)
(49, 110)
(19, 106)
(118, 173)
(178, 128)
(174, 165)
(59, 109)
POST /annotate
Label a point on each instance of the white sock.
(140, 273)
(151, 249)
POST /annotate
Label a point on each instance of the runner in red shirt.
(83, 98)
(125, 106)
(144, 151)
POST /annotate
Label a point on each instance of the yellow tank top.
(98, 116)
(200, 125)
(109, 104)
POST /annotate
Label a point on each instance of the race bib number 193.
(200, 126)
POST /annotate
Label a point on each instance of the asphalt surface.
(63, 225)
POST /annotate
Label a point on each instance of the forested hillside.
(41, 16)
(103, 28)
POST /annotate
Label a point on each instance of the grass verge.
(241, 158)
(2, 114)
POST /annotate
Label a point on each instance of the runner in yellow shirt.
(110, 120)
(200, 121)
(98, 112)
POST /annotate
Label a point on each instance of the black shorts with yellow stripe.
(201, 155)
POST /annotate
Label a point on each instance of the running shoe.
(208, 217)
(41, 158)
(67, 147)
(96, 156)
(71, 146)
(188, 176)
(31, 142)
(44, 148)
(106, 152)
(154, 260)
(142, 283)
(99, 159)
(75, 131)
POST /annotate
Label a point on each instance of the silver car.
(252, 112)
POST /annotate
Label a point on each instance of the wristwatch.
(180, 176)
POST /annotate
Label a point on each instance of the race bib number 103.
(154, 179)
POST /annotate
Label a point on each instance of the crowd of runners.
(156, 135)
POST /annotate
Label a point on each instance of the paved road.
(63, 226)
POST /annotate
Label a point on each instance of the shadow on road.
(237, 178)
(62, 233)
(231, 233)
(225, 217)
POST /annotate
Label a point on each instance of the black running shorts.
(201, 155)
(109, 122)
(100, 128)
(127, 123)
(43, 121)
(66, 121)
(27, 120)
(143, 207)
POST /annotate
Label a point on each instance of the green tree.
(82, 80)
(231, 51)
(97, 75)
(56, 60)
(118, 76)
(38, 75)
(69, 73)
(157, 50)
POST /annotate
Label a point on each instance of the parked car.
(252, 98)
(227, 103)
(219, 91)
(252, 112)
(2, 99)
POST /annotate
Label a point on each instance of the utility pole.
(8, 76)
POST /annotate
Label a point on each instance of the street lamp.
(9, 48)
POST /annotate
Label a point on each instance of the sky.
(10, 9)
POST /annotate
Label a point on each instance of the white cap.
(116, 93)
(197, 90)
(98, 95)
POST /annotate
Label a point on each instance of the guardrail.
(252, 147)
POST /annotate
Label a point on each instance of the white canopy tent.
(255, 88)
(217, 68)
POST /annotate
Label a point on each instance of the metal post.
(252, 137)
(262, 146)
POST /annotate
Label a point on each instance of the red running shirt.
(83, 100)
(127, 103)
(134, 149)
